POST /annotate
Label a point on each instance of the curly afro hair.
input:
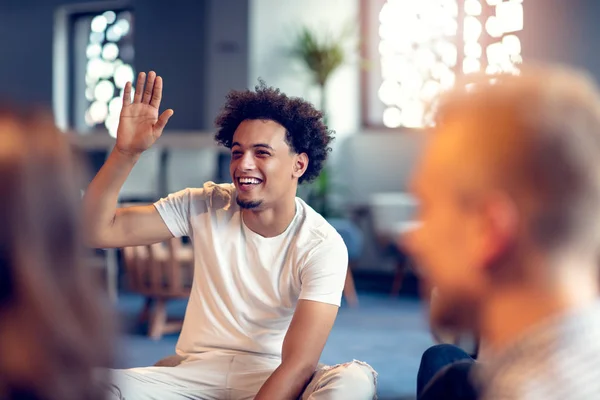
(305, 129)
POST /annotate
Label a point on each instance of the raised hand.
(139, 124)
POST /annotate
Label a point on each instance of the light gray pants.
(222, 376)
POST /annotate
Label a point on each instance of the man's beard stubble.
(248, 205)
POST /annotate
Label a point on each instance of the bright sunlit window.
(418, 53)
(93, 58)
(422, 46)
(109, 55)
(503, 53)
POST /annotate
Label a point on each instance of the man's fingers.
(127, 94)
(149, 87)
(162, 120)
(157, 92)
(139, 87)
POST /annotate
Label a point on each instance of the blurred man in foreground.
(509, 188)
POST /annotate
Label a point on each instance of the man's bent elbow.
(98, 238)
(93, 240)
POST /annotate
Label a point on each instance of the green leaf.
(322, 54)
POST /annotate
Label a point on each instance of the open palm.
(139, 124)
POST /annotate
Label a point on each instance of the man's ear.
(300, 165)
(499, 228)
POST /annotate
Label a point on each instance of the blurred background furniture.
(392, 215)
(354, 240)
(160, 272)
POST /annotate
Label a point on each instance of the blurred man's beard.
(248, 205)
(455, 314)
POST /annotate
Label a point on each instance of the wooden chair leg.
(158, 319)
(146, 311)
(398, 278)
(350, 289)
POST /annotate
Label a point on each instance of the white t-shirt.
(246, 286)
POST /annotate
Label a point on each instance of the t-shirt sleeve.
(175, 212)
(324, 273)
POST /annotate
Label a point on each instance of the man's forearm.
(102, 195)
(286, 382)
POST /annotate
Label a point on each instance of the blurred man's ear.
(499, 226)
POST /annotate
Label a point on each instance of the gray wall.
(563, 32)
(172, 40)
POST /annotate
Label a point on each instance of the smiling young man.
(269, 270)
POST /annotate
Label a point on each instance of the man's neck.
(511, 313)
(270, 222)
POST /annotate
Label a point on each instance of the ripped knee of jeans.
(358, 375)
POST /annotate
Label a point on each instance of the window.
(99, 52)
(418, 48)
(109, 56)
(503, 45)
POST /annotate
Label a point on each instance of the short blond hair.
(547, 119)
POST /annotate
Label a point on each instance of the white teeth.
(249, 180)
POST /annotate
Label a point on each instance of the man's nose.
(247, 162)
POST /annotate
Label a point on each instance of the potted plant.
(322, 54)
